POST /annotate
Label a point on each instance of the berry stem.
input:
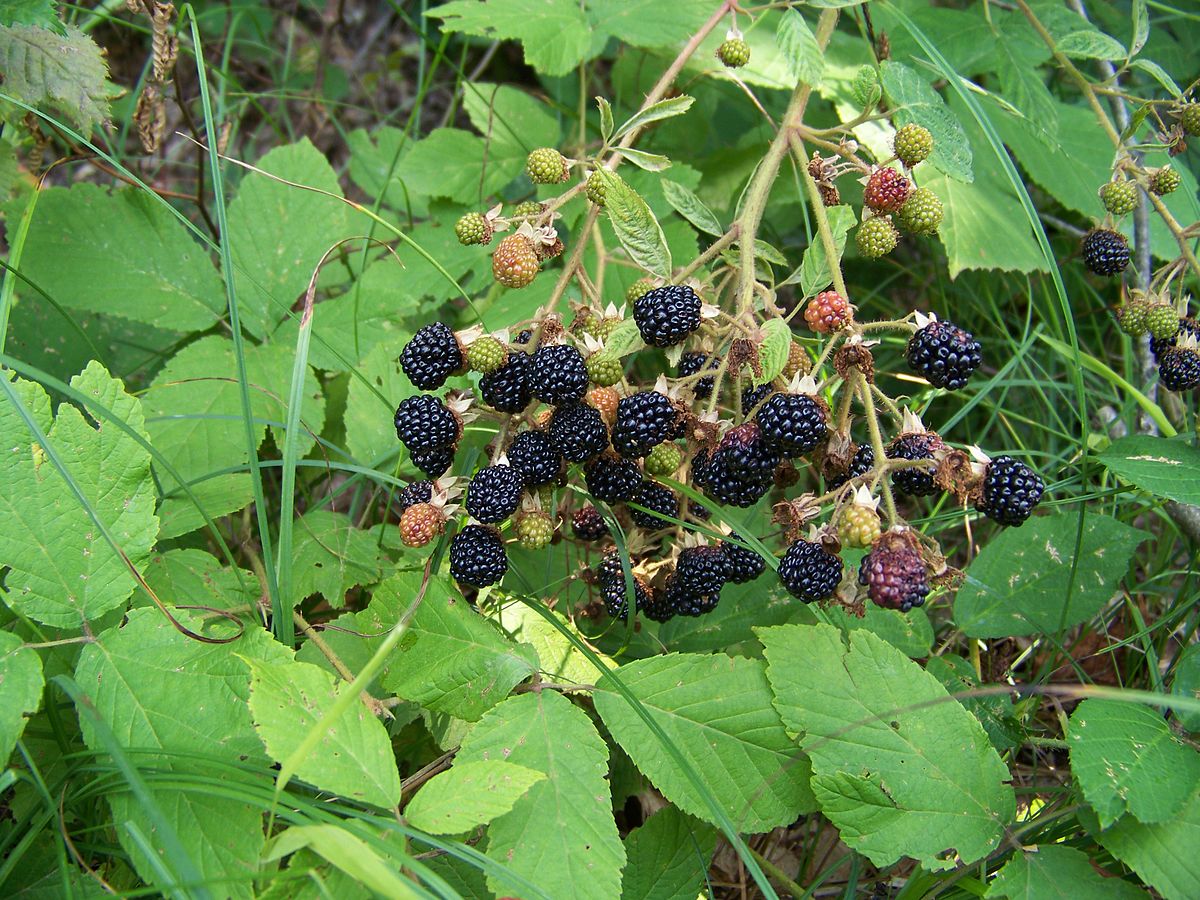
(708, 255)
(868, 402)
(832, 257)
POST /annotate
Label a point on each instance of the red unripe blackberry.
(862, 462)
(644, 420)
(1105, 252)
(809, 572)
(431, 356)
(508, 389)
(420, 524)
(665, 316)
(494, 493)
(589, 524)
(742, 563)
(515, 262)
(434, 462)
(916, 481)
(423, 422)
(533, 455)
(826, 312)
(944, 354)
(558, 374)
(795, 423)
(578, 432)
(895, 574)
(1179, 369)
(477, 557)
(692, 363)
(611, 479)
(1011, 491)
(695, 586)
(660, 504)
(415, 492)
(886, 190)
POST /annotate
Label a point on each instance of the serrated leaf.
(452, 659)
(635, 225)
(62, 69)
(370, 433)
(650, 162)
(1159, 74)
(606, 119)
(994, 712)
(876, 727)
(1160, 466)
(170, 697)
(668, 857)
(42, 13)
(743, 608)
(354, 758)
(773, 350)
(1127, 760)
(716, 711)
(559, 659)
(1141, 28)
(624, 339)
(1185, 682)
(1054, 872)
(21, 683)
(656, 112)
(468, 795)
(561, 835)
(814, 273)
(691, 207)
(179, 514)
(910, 632)
(555, 33)
(1164, 856)
(188, 577)
(512, 123)
(62, 570)
(330, 556)
(800, 48)
(916, 101)
(1021, 581)
(1091, 45)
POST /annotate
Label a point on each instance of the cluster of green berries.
(895, 202)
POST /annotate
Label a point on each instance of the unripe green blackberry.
(1164, 181)
(921, 213)
(1131, 316)
(605, 327)
(535, 530)
(734, 53)
(876, 237)
(1119, 197)
(604, 369)
(638, 289)
(473, 228)
(546, 166)
(527, 209)
(912, 144)
(663, 460)
(486, 354)
(865, 87)
(1162, 321)
(595, 188)
(1189, 118)
(858, 526)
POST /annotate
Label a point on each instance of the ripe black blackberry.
(614, 590)
(944, 354)
(752, 395)
(1187, 325)
(494, 493)
(533, 455)
(657, 499)
(434, 462)
(1179, 369)
(415, 492)
(862, 462)
(523, 336)
(644, 420)
(1105, 252)
(740, 471)
(914, 445)
(588, 524)
(809, 571)
(611, 479)
(695, 586)
(691, 363)
(656, 606)
(667, 315)
(431, 356)
(477, 557)
(578, 432)
(558, 374)
(742, 563)
(895, 574)
(1011, 491)
(508, 389)
(423, 422)
(795, 423)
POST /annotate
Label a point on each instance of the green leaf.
(20, 690)
(717, 712)
(1091, 45)
(354, 759)
(635, 226)
(196, 578)
(1164, 856)
(668, 857)
(1159, 74)
(624, 340)
(1185, 682)
(814, 273)
(219, 496)
(278, 233)
(649, 162)
(561, 835)
(773, 350)
(655, 112)
(469, 794)
(1055, 872)
(606, 119)
(330, 556)
(1016, 63)
(559, 659)
(916, 101)
(994, 712)
(42, 13)
(121, 253)
(370, 432)
(1021, 581)
(909, 632)
(555, 33)
(449, 162)
(170, 698)
(1141, 28)
(743, 607)
(349, 853)
(691, 207)
(62, 570)
(799, 46)
(1160, 466)
(1126, 759)
(872, 724)
(512, 122)
(452, 659)
(648, 23)
(60, 69)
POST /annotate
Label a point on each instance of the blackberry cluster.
(862, 462)
(660, 505)
(644, 420)
(944, 354)
(578, 432)
(537, 459)
(895, 575)
(477, 557)
(432, 356)
(794, 423)
(495, 493)
(742, 564)
(1105, 252)
(665, 316)
(692, 363)
(508, 389)
(809, 571)
(916, 481)
(610, 479)
(694, 588)
(1011, 490)
(740, 471)
(558, 374)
